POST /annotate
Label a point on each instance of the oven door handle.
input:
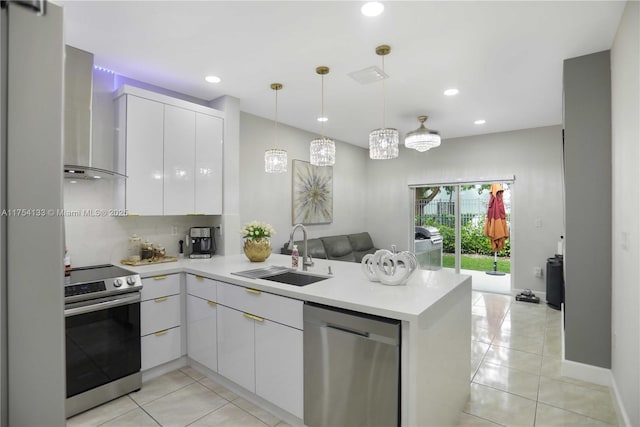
(91, 307)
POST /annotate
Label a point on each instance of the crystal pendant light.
(383, 142)
(275, 159)
(422, 139)
(323, 149)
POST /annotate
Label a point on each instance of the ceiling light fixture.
(323, 119)
(383, 142)
(323, 149)
(480, 122)
(422, 139)
(213, 79)
(372, 8)
(451, 92)
(275, 159)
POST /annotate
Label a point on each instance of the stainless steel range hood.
(82, 158)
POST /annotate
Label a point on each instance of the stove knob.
(131, 281)
(117, 283)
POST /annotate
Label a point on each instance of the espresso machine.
(202, 242)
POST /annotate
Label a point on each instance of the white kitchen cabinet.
(260, 344)
(208, 164)
(159, 314)
(179, 160)
(202, 287)
(160, 320)
(202, 337)
(236, 350)
(144, 158)
(160, 347)
(174, 154)
(279, 365)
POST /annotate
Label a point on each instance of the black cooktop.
(97, 272)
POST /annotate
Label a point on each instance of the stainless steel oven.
(102, 328)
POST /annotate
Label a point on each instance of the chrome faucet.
(306, 258)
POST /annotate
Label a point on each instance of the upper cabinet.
(174, 154)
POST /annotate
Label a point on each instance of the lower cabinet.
(202, 337)
(262, 356)
(160, 347)
(236, 350)
(251, 337)
(160, 320)
(279, 371)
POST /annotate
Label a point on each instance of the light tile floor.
(515, 381)
(515, 370)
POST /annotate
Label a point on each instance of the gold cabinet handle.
(212, 303)
(253, 317)
(253, 291)
(133, 214)
(160, 277)
(161, 299)
(166, 331)
(199, 277)
(194, 213)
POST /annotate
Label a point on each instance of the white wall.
(625, 69)
(101, 240)
(534, 156)
(267, 197)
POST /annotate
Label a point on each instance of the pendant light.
(322, 149)
(383, 142)
(275, 159)
(422, 139)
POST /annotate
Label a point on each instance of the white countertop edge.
(408, 302)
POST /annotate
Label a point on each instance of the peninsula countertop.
(346, 288)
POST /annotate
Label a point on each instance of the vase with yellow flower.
(257, 243)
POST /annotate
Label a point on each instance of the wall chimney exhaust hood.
(86, 156)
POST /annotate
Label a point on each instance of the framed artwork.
(312, 193)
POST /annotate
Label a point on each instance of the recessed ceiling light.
(323, 119)
(451, 92)
(73, 182)
(213, 79)
(480, 122)
(372, 8)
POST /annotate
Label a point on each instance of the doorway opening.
(459, 213)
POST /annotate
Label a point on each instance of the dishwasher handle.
(349, 330)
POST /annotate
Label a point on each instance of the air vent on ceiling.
(368, 75)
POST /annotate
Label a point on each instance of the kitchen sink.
(282, 275)
(295, 278)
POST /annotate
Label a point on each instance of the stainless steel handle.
(348, 330)
(91, 307)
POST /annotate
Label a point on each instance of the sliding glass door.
(458, 213)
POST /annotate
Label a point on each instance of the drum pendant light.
(383, 142)
(322, 149)
(275, 159)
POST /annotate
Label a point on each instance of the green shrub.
(473, 241)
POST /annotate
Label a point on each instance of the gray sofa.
(346, 247)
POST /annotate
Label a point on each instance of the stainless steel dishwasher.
(351, 368)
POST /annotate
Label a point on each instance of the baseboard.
(588, 373)
(159, 370)
(620, 409)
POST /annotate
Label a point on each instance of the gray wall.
(534, 156)
(34, 181)
(267, 197)
(587, 124)
(625, 106)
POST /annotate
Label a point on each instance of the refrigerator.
(32, 369)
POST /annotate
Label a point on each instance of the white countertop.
(347, 288)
